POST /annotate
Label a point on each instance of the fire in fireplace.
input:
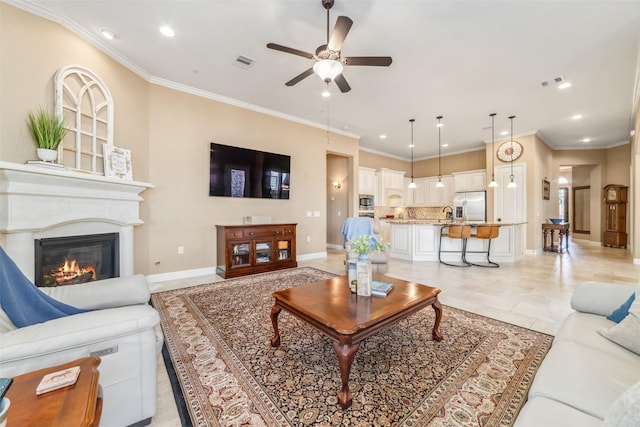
(76, 259)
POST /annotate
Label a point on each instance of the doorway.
(563, 203)
(338, 189)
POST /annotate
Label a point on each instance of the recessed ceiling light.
(326, 93)
(445, 145)
(504, 132)
(383, 136)
(564, 85)
(440, 125)
(108, 34)
(167, 31)
(411, 145)
(576, 116)
(585, 140)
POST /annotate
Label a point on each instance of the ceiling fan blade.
(285, 49)
(342, 84)
(339, 33)
(380, 61)
(299, 77)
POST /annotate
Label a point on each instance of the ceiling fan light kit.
(327, 69)
(328, 61)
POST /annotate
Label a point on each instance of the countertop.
(445, 223)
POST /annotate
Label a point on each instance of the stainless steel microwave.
(366, 201)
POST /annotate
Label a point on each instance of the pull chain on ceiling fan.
(328, 61)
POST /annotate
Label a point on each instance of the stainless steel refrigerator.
(470, 206)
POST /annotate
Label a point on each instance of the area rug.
(218, 339)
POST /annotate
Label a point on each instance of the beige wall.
(168, 133)
(337, 200)
(428, 167)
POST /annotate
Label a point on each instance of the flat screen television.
(241, 172)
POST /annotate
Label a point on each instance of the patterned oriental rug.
(218, 339)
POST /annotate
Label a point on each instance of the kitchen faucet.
(449, 211)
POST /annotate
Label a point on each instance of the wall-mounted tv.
(241, 172)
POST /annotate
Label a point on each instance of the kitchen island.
(419, 240)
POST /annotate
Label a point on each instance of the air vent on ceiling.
(243, 61)
(555, 81)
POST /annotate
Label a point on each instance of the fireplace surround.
(40, 203)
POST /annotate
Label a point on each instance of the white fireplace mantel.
(40, 202)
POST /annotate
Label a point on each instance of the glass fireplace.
(76, 259)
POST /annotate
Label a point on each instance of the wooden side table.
(79, 404)
(563, 232)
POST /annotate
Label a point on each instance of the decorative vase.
(363, 269)
(47, 155)
(352, 275)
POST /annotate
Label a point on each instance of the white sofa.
(586, 379)
(123, 331)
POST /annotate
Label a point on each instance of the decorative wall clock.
(509, 151)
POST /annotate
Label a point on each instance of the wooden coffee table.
(329, 306)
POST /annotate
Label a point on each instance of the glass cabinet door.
(284, 249)
(240, 254)
(611, 218)
(263, 251)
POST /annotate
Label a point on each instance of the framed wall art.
(546, 189)
(117, 162)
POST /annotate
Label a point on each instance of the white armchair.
(123, 331)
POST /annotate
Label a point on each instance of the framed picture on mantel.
(546, 189)
(117, 162)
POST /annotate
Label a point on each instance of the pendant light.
(412, 184)
(439, 184)
(493, 182)
(512, 183)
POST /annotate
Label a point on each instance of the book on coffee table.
(380, 288)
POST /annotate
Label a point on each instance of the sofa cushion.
(625, 411)
(582, 328)
(627, 332)
(541, 411)
(584, 377)
(622, 311)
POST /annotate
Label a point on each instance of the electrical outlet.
(308, 238)
(316, 214)
(180, 250)
(309, 214)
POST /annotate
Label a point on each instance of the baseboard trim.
(183, 274)
(332, 246)
(315, 255)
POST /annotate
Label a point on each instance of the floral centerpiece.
(366, 243)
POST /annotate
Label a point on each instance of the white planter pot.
(47, 155)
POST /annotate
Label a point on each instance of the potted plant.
(48, 132)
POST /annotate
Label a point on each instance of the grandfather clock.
(615, 224)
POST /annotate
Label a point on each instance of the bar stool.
(486, 232)
(461, 232)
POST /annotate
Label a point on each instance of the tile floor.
(534, 293)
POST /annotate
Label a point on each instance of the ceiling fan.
(328, 61)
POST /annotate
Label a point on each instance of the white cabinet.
(368, 182)
(390, 178)
(409, 193)
(391, 187)
(420, 193)
(471, 180)
(401, 239)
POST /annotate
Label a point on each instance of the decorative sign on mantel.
(117, 162)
